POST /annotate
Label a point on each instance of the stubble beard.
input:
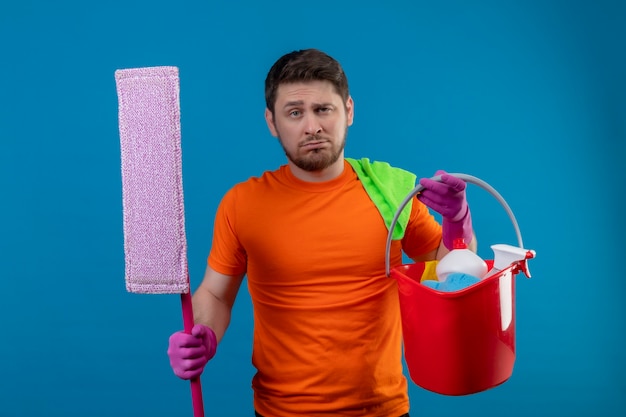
(318, 159)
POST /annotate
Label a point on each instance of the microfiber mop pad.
(155, 246)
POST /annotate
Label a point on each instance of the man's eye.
(294, 113)
(323, 109)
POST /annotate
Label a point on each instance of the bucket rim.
(511, 269)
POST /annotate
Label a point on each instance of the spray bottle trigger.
(523, 265)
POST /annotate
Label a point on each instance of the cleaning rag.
(456, 281)
(386, 186)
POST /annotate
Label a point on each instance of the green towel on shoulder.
(387, 186)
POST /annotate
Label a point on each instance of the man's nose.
(312, 126)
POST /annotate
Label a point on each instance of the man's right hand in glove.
(189, 353)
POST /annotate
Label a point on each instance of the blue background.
(530, 96)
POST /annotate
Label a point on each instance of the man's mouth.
(313, 143)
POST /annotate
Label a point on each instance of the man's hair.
(302, 66)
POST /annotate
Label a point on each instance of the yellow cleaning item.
(430, 271)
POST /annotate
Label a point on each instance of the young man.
(310, 236)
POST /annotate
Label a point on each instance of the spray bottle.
(505, 255)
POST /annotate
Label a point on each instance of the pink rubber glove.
(448, 199)
(189, 353)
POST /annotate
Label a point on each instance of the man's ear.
(349, 111)
(269, 119)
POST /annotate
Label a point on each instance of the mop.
(155, 245)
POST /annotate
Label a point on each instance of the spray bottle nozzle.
(506, 255)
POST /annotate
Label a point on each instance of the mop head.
(155, 246)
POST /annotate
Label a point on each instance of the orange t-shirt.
(327, 330)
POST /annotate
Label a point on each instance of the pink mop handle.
(196, 387)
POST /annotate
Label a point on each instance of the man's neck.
(326, 174)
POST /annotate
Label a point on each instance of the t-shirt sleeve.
(423, 233)
(227, 255)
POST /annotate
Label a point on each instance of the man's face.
(311, 121)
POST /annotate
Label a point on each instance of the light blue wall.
(527, 95)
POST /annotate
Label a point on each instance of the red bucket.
(461, 342)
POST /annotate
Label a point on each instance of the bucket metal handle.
(467, 178)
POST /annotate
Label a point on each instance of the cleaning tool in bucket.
(460, 342)
(155, 245)
(460, 268)
(456, 281)
(460, 260)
